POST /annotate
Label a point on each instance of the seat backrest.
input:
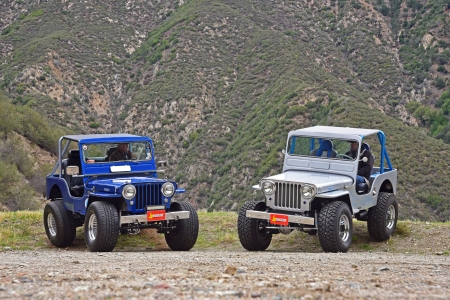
(372, 156)
(74, 160)
(326, 149)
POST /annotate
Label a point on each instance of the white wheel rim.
(92, 227)
(51, 222)
(344, 228)
(390, 217)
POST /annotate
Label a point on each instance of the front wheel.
(335, 227)
(382, 218)
(183, 238)
(253, 234)
(101, 227)
(59, 224)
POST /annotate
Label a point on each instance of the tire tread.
(376, 221)
(246, 236)
(107, 227)
(327, 227)
(65, 224)
(187, 230)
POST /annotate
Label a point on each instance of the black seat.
(76, 184)
(363, 188)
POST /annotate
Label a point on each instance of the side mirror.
(72, 170)
(283, 151)
(364, 159)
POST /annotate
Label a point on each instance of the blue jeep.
(97, 184)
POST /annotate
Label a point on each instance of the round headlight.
(168, 189)
(307, 191)
(129, 191)
(268, 187)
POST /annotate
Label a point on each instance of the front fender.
(104, 195)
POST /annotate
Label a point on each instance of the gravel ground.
(152, 274)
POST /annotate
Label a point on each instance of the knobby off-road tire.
(183, 238)
(59, 224)
(382, 218)
(335, 227)
(252, 235)
(101, 227)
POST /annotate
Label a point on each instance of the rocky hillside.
(218, 84)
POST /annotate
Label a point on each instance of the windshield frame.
(314, 143)
(90, 159)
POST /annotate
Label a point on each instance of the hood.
(114, 184)
(324, 182)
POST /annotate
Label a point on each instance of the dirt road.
(221, 275)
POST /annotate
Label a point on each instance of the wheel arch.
(318, 202)
(55, 192)
(118, 202)
(387, 186)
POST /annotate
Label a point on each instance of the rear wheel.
(382, 219)
(59, 224)
(101, 227)
(183, 238)
(335, 227)
(253, 234)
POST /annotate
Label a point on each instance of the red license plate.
(279, 219)
(156, 215)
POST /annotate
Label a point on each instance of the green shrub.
(193, 136)
(295, 111)
(442, 69)
(439, 83)
(412, 106)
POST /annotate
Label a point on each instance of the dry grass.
(24, 230)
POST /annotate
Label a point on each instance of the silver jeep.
(318, 193)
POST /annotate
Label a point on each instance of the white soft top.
(327, 130)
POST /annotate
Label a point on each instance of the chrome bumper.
(176, 215)
(254, 214)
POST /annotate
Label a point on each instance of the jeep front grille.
(148, 194)
(287, 195)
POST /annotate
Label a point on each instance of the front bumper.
(176, 215)
(254, 214)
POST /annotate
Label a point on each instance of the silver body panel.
(332, 178)
(143, 218)
(324, 182)
(287, 195)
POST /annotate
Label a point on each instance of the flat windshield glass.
(321, 147)
(108, 152)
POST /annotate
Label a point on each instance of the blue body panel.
(63, 187)
(100, 181)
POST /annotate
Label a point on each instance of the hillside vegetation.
(218, 84)
(23, 163)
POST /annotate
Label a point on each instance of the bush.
(193, 136)
(442, 69)
(295, 111)
(412, 106)
(439, 83)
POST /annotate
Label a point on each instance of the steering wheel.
(344, 156)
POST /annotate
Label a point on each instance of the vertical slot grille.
(148, 194)
(287, 195)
